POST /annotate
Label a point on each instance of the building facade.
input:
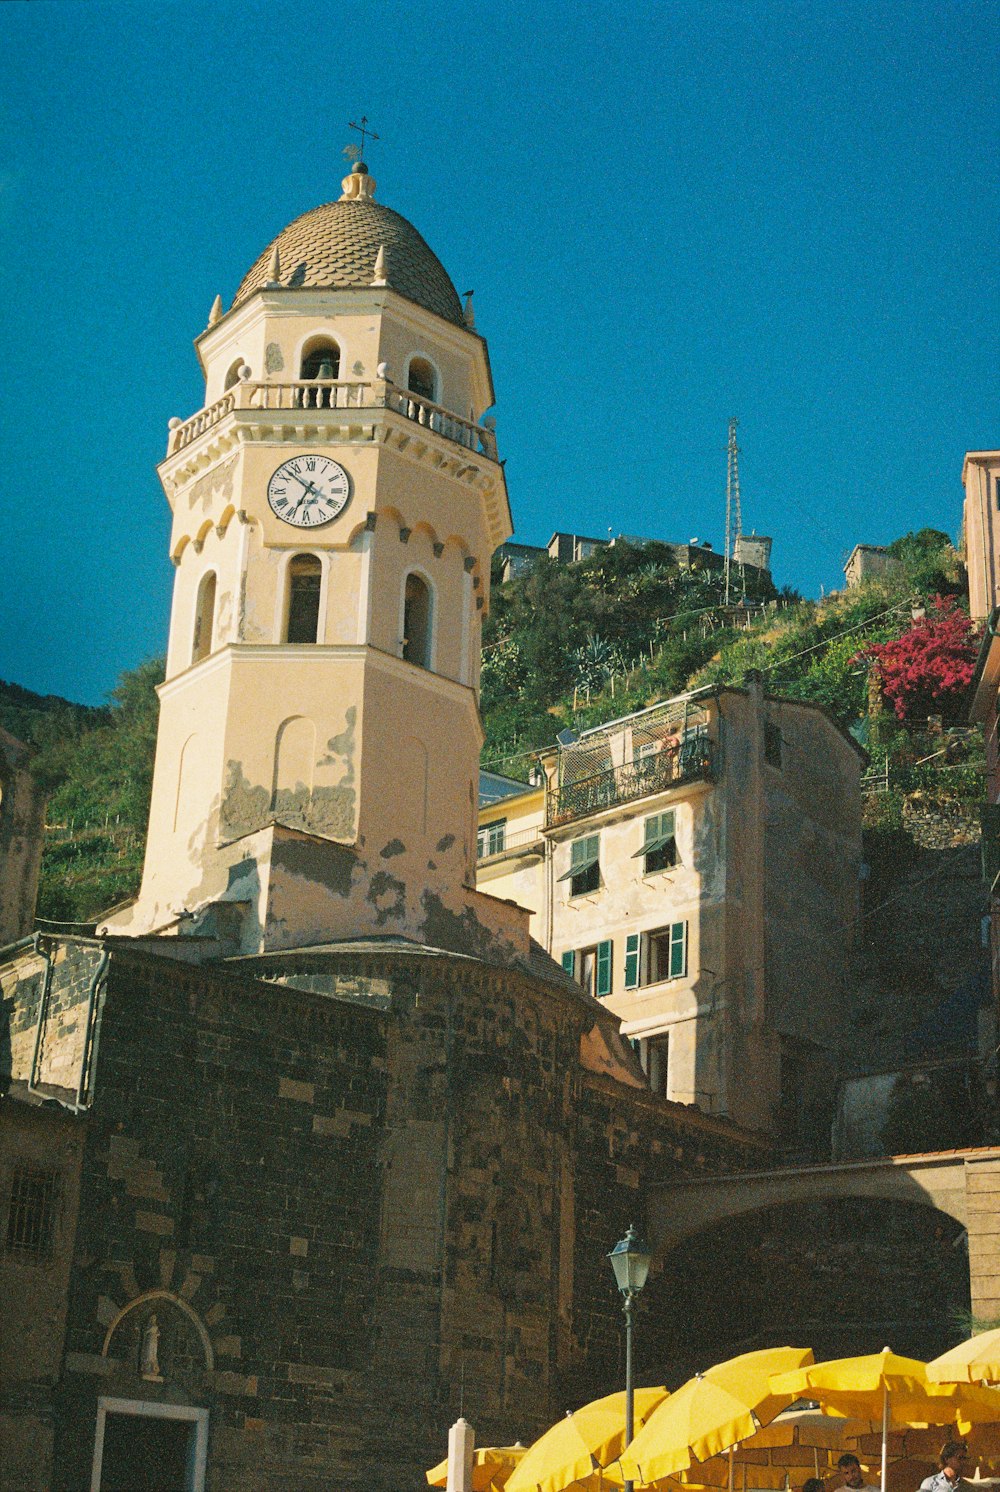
(981, 530)
(695, 867)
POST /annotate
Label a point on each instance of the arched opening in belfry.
(421, 379)
(233, 376)
(844, 1276)
(305, 580)
(320, 364)
(417, 621)
(204, 617)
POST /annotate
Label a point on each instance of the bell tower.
(335, 506)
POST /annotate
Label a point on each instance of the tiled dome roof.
(336, 246)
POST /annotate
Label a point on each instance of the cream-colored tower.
(317, 758)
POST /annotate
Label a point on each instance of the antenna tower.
(734, 522)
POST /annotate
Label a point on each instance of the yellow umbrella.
(582, 1443)
(491, 1466)
(884, 1385)
(710, 1413)
(974, 1361)
(797, 1444)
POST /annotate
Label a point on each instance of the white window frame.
(153, 1410)
(638, 952)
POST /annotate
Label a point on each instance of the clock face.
(308, 490)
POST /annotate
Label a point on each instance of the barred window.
(31, 1217)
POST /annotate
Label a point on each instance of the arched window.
(204, 618)
(421, 379)
(305, 575)
(233, 376)
(320, 361)
(417, 622)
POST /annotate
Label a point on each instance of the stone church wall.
(341, 1193)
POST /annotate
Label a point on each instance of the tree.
(927, 670)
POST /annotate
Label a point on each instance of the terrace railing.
(693, 762)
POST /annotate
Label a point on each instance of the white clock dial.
(308, 490)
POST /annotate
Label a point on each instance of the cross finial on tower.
(355, 152)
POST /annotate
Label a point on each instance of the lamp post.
(630, 1261)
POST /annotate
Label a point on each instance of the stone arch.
(934, 1181)
(842, 1275)
(170, 1299)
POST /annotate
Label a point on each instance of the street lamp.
(630, 1261)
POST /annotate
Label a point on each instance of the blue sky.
(670, 214)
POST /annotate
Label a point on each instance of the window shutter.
(632, 961)
(678, 949)
(569, 963)
(604, 951)
(660, 827)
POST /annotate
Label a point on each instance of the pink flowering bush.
(927, 670)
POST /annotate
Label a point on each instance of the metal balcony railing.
(518, 842)
(693, 762)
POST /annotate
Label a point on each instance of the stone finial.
(215, 314)
(359, 186)
(381, 266)
(382, 371)
(468, 314)
(274, 269)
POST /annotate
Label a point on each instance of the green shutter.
(569, 963)
(632, 961)
(660, 828)
(604, 951)
(678, 949)
(584, 852)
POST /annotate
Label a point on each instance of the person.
(813, 1484)
(851, 1475)
(953, 1463)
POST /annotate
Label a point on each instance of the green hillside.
(573, 645)
(568, 645)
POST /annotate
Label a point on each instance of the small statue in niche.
(149, 1357)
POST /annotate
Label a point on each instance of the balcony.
(503, 846)
(324, 399)
(693, 762)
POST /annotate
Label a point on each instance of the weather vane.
(354, 152)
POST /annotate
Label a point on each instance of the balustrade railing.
(332, 394)
(694, 761)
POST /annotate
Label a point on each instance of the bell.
(325, 369)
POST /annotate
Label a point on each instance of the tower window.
(305, 575)
(417, 622)
(204, 618)
(421, 379)
(320, 363)
(233, 376)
